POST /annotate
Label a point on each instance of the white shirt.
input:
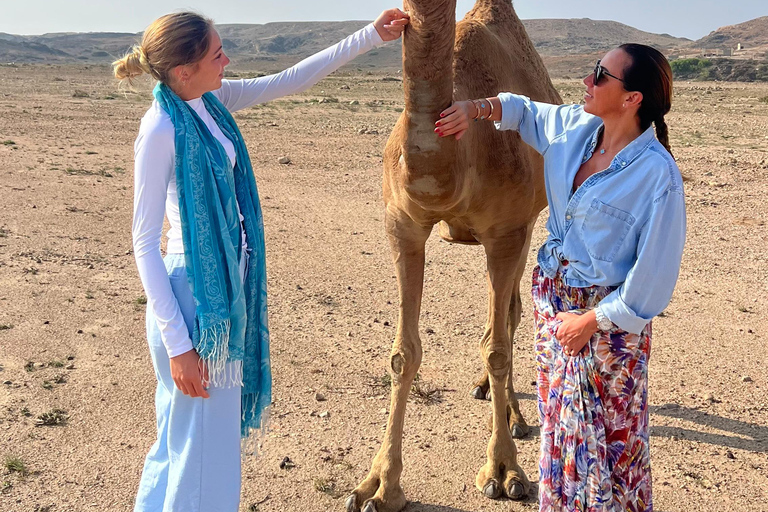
(155, 195)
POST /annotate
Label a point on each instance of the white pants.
(194, 465)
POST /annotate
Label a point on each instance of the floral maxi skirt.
(593, 409)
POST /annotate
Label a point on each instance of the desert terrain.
(77, 386)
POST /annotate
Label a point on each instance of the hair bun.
(143, 59)
(135, 63)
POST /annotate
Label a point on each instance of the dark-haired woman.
(609, 265)
(206, 300)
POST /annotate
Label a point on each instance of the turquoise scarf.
(231, 315)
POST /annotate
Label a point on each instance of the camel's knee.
(405, 362)
(497, 362)
(497, 354)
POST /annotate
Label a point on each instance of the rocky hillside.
(750, 34)
(559, 37)
(568, 46)
(281, 43)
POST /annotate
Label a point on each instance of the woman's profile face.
(209, 71)
(607, 96)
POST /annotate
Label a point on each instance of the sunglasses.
(600, 72)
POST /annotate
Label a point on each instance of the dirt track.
(70, 296)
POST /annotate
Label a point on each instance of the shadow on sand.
(751, 437)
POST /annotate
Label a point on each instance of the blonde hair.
(172, 40)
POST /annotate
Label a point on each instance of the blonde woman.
(206, 300)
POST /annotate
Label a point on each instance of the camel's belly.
(456, 232)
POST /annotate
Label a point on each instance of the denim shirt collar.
(627, 155)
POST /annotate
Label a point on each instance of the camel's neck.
(428, 55)
(428, 160)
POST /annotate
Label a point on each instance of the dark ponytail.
(662, 133)
(650, 74)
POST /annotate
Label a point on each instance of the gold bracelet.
(491, 104)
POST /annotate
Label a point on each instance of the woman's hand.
(455, 119)
(189, 374)
(575, 331)
(391, 23)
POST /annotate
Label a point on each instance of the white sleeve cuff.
(373, 35)
(180, 348)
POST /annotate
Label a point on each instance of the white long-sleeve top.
(155, 195)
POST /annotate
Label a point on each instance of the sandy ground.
(72, 312)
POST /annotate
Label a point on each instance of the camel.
(487, 188)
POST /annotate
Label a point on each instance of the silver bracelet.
(603, 322)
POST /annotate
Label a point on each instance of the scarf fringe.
(222, 373)
(253, 439)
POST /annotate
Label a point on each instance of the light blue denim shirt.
(624, 226)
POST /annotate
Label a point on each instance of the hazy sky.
(681, 18)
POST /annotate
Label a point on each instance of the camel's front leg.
(381, 491)
(501, 473)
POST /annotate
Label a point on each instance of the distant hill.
(559, 37)
(751, 34)
(273, 46)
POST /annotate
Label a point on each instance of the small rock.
(325, 414)
(362, 131)
(320, 397)
(7, 382)
(430, 331)
(730, 455)
(287, 463)
(344, 87)
(746, 378)
(372, 132)
(354, 102)
(284, 160)
(383, 410)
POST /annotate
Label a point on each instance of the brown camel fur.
(487, 188)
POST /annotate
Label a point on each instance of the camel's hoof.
(370, 507)
(478, 393)
(351, 504)
(516, 491)
(518, 432)
(492, 490)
